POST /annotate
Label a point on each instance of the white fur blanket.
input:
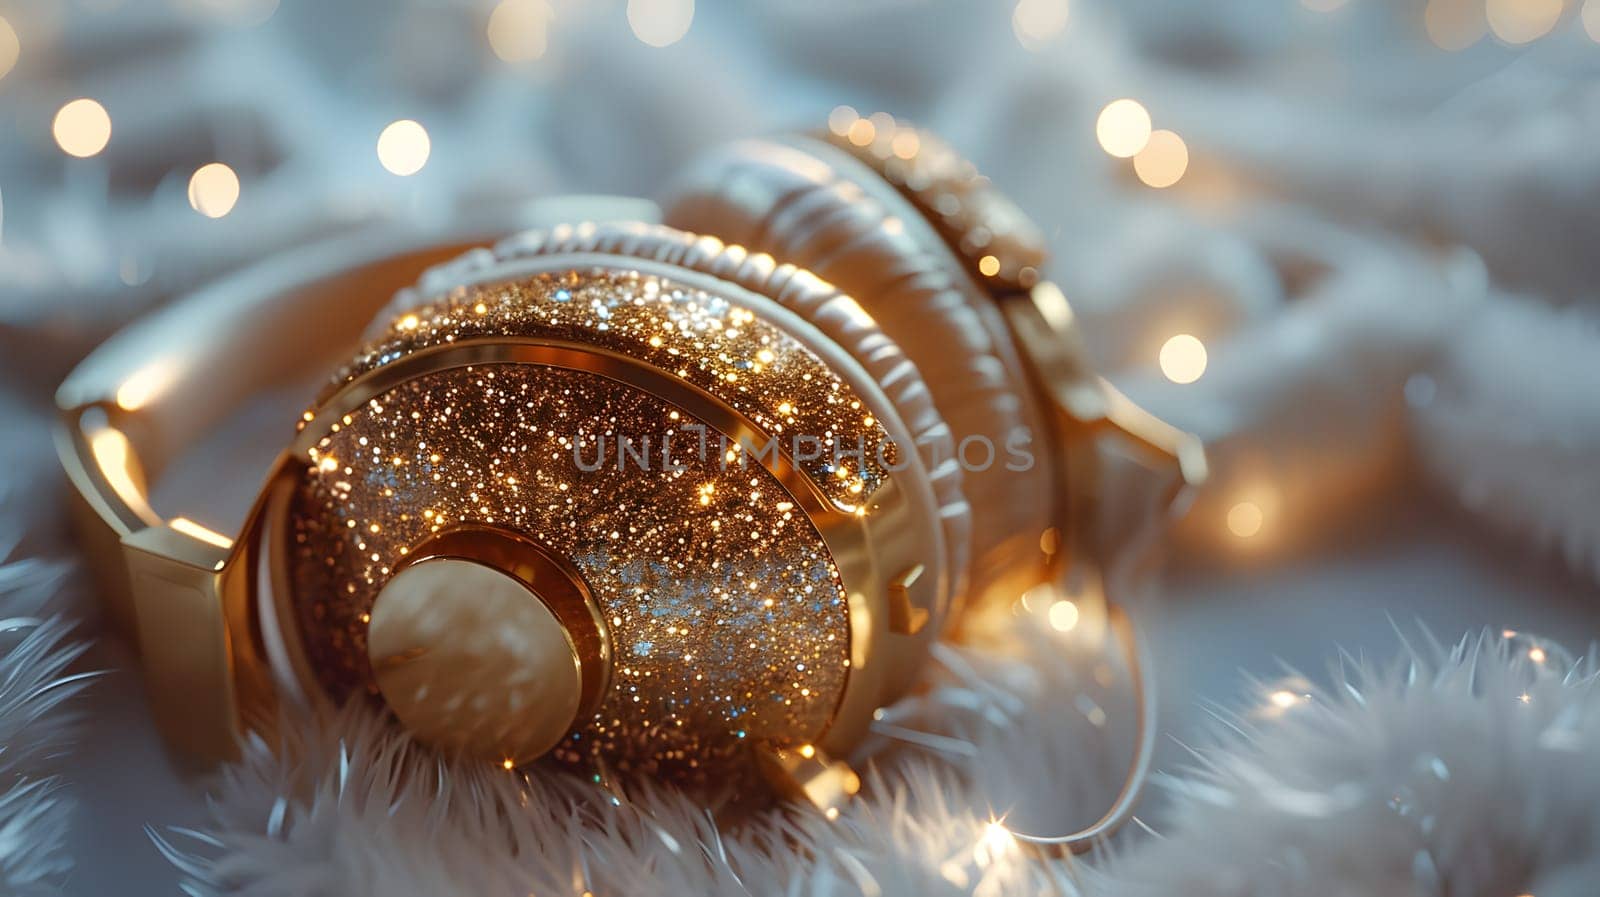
(1385, 246)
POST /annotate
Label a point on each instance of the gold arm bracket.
(1043, 323)
(176, 576)
(905, 617)
(807, 774)
(1153, 437)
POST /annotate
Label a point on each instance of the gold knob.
(473, 661)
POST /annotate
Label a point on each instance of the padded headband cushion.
(847, 337)
(808, 203)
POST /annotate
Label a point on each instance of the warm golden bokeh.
(403, 147)
(82, 128)
(1520, 21)
(1245, 519)
(1163, 160)
(1183, 358)
(213, 190)
(1037, 22)
(519, 30)
(862, 132)
(10, 47)
(841, 118)
(1454, 25)
(1123, 128)
(1063, 616)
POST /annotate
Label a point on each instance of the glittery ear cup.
(812, 205)
(846, 338)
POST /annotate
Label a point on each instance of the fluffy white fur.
(1339, 792)
(1461, 770)
(1526, 466)
(357, 810)
(35, 654)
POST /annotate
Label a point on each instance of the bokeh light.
(862, 132)
(1283, 698)
(1037, 22)
(1123, 128)
(1163, 160)
(82, 128)
(519, 30)
(660, 23)
(10, 47)
(403, 147)
(994, 845)
(1183, 358)
(906, 144)
(1063, 616)
(1520, 21)
(1454, 25)
(213, 190)
(841, 118)
(1245, 519)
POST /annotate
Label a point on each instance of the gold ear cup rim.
(505, 311)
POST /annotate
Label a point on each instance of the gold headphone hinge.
(178, 587)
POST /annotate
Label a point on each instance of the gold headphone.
(612, 493)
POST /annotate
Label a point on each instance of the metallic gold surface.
(904, 517)
(905, 618)
(108, 502)
(194, 619)
(1006, 252)
(808, 773)
(999, 242)
(1043, 324)
(550, 578)
(177, 585)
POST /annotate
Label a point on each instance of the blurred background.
(1353, 243)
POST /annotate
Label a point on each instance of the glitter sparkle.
(726, 613)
